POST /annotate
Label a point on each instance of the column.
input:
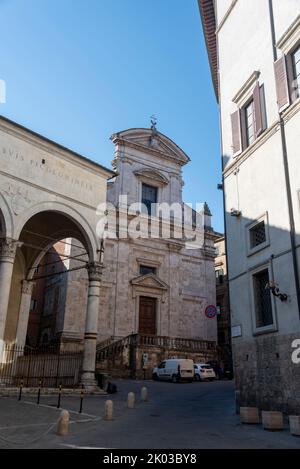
(91, 326)
(27, 287)
(8, 249)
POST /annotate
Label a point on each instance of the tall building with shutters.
(254, 54)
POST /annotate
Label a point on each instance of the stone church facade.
(150, 286)
(154, 286)
(154, 289)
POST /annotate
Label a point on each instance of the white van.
(175, 370)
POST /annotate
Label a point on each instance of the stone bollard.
(144, 394)
(272, 421)
(63, 423)
(294, 425)
(131, 400)
(109, 410)
(249, 415)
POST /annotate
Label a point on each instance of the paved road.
(198, 415)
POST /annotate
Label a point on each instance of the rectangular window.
(221, 337)
(33, 305)
(296, 71)
(262, 299)
(220, 275)
(257, 234)
(149, 197)
(250, 123)
(144, 269)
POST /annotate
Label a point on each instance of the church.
(153, 287)
(126, 295)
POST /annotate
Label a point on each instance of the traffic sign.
(211, 311)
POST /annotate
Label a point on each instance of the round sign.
(211, 311)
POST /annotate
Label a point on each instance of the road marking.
(96, 417)
(83, 447)
(27, 425)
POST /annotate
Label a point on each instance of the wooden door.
(147, 316)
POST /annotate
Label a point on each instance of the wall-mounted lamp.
(235, 213)
(273, 287)
(220, 187)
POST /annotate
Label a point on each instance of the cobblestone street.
(198, 415)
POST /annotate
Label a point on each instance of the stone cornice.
(148, 262)
(225, 17)
(290, 37)
(152, 175)
(49, 146)
(149, 150)
(243, 93)
(45, 189)
(149, 280)
(130, 158)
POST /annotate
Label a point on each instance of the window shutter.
(257, 110)
(282, 88)
(236, 133)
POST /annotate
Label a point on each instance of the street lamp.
(274, 288)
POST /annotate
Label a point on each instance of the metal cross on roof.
(153, 122)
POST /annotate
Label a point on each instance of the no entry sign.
(211, 311)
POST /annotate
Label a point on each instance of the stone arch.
(38, 230)
(6, 219)
(56, 237)
(88, 235)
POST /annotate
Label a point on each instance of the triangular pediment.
(151, 141)
(151, 174)
(149, 280)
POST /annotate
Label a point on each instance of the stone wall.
(129, 361)
(265, 375)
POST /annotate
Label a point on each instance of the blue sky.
(77, 71)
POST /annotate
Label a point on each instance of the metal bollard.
(20, 392)
(81, 400)
(131, 400)
(144, 394)
(39, 392)
(63, 423)
(59, 396)
(109, 410)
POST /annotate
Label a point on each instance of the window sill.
(265, 330)
(260, 247)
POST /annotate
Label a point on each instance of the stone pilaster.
(8, 249)
(27, 287)
(91, 326)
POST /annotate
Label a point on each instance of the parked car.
(223, 370)
(204, 371)
(175, 370)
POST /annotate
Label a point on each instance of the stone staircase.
(124, 357)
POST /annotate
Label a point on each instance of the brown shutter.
(236, 133)
(282, 88)
(257, 110)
